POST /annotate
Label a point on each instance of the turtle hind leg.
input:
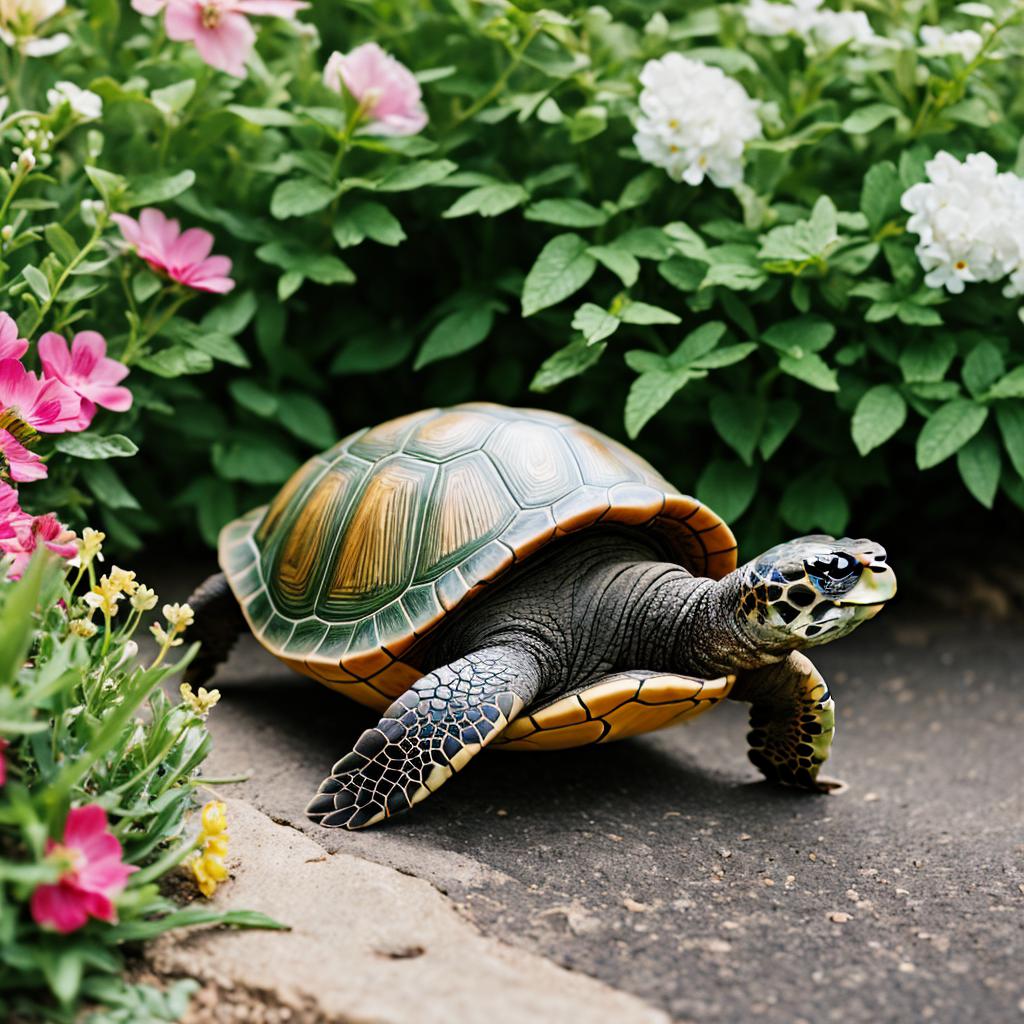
(426, 736)
(218, 624)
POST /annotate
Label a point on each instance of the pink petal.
(228, 45)
(158, 232)
(130, 230)
(11, 346)
(192, 246)
(59, 906)
(54, 355)
(24, 465)
(98, 905)
(271, 8)
(87, 349)
(183, 20)
(82, 823)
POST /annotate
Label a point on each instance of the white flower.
(940, 43)
(695, 121)
(969, 220)
(20, 22)
(87, 105)
(819, 28)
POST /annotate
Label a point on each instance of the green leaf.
(1010, 417)
(231, 315)
(738, 424)
(488, 201)
(737, 277)
(868, 118)
(568, 213)
(800, 335)
(1010, 386)
(18, 619)
(647, 243)
(458, 332)
(683, 273)
(594, 323)
(367, 219)
(727, 356)
(980, 465)
(320, 267)
(983, 366)
(60, 242)
(176, 361)
(814, 501)
(639, 189)
(880, 194)
(174, 98)
(297, 197)
(256, 462)
(418, 174)
(649, 394)
(780, 418)
(37, 282)
(562, 268)
(880, 413)
(265, 117)
(110, 186)
(811, 369)
(644, 313)
(372, 351)
(96, 446)
(728, 487)
(625, 266)
(106, 485)
(567, 362)
(150, 189)
(253, 396)
(306, 418)
(698, 343)
(948, 429)
(928, 358)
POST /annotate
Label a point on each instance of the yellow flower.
(104, 595)
(180, 616)
(123, 580)
(214, 817)
(144, 598)
(90, 546)
(202, 702)
(163, 638)
(82, 627)
(207, 863)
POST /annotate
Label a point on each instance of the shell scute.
(535, 461)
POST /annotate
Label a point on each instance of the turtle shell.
(371, 544)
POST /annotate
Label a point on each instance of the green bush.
(770, 337)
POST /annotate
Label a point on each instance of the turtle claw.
(321, 804)
(829, 786)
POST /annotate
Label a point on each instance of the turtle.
(493, 576)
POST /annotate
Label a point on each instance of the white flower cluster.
(940, 43)
(969, 219)
(695, 121)
(821, 29)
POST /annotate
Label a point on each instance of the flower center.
(22, 432)
(70, 860)
(960, 265)
(210, 15)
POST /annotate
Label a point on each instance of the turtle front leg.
(426, 736)
(792, 722)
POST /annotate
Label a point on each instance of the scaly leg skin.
(426, 736)
(792, 722)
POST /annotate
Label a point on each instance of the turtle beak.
(877, 584)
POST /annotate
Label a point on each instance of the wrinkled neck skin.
(709, 636)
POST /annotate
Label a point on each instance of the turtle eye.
(837, 567)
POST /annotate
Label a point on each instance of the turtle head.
(814, 589)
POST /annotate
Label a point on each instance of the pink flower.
(182, 256)
(219, 28)
(22, 465)
(87, 371)
(45, 405)
(3, 762)
(385, 88)
(93, 877)
(29, 533)
(10, 511)
(11, 346)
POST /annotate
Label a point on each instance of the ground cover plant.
(779, 245)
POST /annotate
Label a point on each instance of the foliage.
(771, 345)
(86, 724)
